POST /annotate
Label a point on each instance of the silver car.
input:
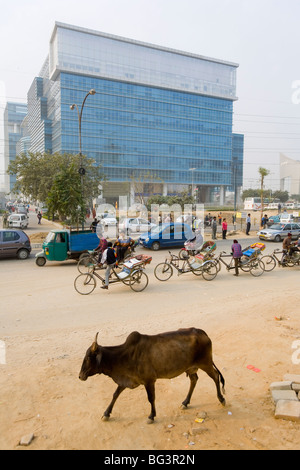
(278, 232)
(136, 225)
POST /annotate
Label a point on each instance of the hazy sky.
(262, 36)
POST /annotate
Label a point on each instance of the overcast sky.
(262, 36)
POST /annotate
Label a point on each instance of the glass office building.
(159, 116)
(14, 114)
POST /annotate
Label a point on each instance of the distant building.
(160, 117)
(14, 114)
(289, 175)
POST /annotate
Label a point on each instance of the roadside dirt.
(47, 327)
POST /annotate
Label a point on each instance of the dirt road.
(47, 326)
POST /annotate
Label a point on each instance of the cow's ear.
(95, 345)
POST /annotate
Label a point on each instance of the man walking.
(214, 228)
(248, 222)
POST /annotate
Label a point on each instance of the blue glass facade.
(132, 130)
(156, 112)
(14, 114)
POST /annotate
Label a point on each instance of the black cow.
(143, 359)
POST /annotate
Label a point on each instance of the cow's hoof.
(150, 421)
(105, 418)
(183, 407)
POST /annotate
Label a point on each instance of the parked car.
(18, 221)
(278, 232)
(166, 235)
(107, 219)
(14, 243)
(274, 219)
(135, 225)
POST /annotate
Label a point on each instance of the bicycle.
(253, 265)
(132, 275)
(164, 271)
(271, 261)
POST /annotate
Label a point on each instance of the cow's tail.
(220, 378)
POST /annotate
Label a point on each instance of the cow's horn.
(94, 345)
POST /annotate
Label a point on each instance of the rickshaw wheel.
(85, 283)
(86, 264)
(269, 262)
(257, 267)
(183, 254)
(163, 271)
(138, 281)
(209, 271)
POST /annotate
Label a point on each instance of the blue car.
(166, 235)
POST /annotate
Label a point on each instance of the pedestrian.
(264, 221)
(214, 228)
(108, 257)
(224, 229)
(237, 253)
(94, 224)
(248, 226)
(39, 216)
(220, 218)
(279, 208)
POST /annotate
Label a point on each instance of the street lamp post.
(81, 169)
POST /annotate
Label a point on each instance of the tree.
(45, 177)
(283, 196)
(263, 173)
(65, 196)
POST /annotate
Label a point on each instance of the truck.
(62, 245)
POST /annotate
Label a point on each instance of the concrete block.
(26, 440)
(296, 387)
(292, 377)
(284, 395)
(287, 409)
(286, 385)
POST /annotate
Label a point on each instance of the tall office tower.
(161, 119)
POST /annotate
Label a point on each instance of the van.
(17, 221)
(166, 235)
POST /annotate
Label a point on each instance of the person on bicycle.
(237, 253)
(101, 247)
(286, 248)
(122, 244)
(108, 257)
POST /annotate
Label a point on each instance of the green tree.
(283, 196)
(263, 173)
(65, 196)
(43, 176)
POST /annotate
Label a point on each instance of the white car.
(108, 219)
(18, 221)
(136, 225)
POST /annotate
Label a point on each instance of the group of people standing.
(214, 227)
